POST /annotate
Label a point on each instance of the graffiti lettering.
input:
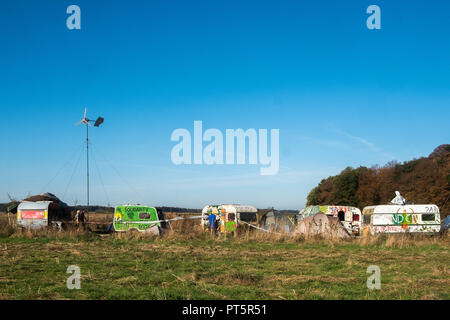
(405, 218)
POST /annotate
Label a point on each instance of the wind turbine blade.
(78, 123)
(85, 113)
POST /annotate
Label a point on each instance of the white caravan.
(397, 218)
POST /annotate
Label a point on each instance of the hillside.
(424, 180)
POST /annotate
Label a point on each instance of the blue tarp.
(446, 223)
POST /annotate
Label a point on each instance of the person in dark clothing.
(83, 218)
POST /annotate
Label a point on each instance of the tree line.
(421, 181)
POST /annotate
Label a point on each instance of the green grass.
(199, 267)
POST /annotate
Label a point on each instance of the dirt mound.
(321, 225)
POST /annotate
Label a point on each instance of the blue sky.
(340, 94)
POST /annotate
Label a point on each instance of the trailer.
(234, 215)
(38, 215)
(350, 217)
(137, 217)
(402, 218)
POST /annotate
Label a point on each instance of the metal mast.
(97, 123)
(87, 161)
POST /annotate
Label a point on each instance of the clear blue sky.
(341, 95)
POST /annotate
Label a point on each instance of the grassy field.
(197, 266)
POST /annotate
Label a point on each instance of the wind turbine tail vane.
(98, 122)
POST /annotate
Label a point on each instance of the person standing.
(83, 218)
(80, 218)
(212, 223)
(77, 218)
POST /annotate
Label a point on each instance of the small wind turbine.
(87, 122)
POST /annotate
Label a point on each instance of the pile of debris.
(321, 225)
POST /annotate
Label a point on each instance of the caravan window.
(428, 217)
(247, 216)
(144, 215)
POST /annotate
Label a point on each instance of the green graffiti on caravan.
(230, 226)
(405, 218)
(323, 209)
(134, 217)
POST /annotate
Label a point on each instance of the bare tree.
(11, 198)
